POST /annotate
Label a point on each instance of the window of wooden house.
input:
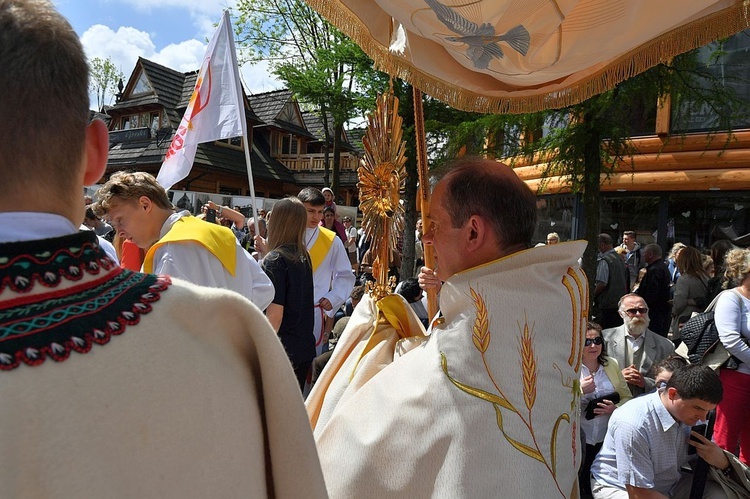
(289, 145)
(728, 63)
(142, 86)
(140, 120)
(232, 142)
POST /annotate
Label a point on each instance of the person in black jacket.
(654, 288)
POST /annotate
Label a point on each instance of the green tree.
(318, 63)
(104, 79)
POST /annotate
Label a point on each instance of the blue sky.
(170, 32)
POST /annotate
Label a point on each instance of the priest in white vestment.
(487, 404)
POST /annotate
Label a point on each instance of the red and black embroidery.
(51, 321)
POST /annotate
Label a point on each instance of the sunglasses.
(596, 341)
(633, 311)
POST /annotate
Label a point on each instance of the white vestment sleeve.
(262, 290)
(195, 264)
(343, 280)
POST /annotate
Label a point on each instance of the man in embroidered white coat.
(116, 383)
(487, 406)
(333, 279)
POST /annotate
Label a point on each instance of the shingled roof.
(269, 106)
(172, 90)
(166, 83)
(314, 123)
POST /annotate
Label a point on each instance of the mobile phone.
(699, 428)
(211, 215)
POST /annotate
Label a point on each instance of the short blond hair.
(130, 186)
(736, 266)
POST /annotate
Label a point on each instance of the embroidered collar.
(64, 294)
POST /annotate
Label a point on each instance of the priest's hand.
(429, 280)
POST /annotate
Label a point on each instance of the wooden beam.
(642, 163)
(669, 181)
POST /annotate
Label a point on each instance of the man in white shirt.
(178, 244)
(647, 441)
(333, 279)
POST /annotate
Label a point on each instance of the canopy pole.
(424, 192)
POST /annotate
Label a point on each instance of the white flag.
(216, 110)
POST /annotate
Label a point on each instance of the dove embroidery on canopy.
(482, 40)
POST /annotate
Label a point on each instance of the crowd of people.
(180, 371)
(655, 297)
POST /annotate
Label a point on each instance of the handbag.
(593, 404)
(701, 343)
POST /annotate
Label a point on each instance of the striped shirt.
(644, 447)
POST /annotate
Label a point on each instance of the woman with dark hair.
(287, 264)
(690, 290)
(600, 377)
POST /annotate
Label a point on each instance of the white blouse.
(596, 428)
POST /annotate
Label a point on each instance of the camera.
(211, 215)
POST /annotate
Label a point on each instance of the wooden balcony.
(316, 162)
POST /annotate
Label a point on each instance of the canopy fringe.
(659, 50)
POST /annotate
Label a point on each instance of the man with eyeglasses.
(635, 347)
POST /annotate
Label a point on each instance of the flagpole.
(250, 179)
(247, 145)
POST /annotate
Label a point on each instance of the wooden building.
(149, 109)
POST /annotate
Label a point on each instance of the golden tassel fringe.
(683, 39)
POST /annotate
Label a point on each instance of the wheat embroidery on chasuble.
(528, 443)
